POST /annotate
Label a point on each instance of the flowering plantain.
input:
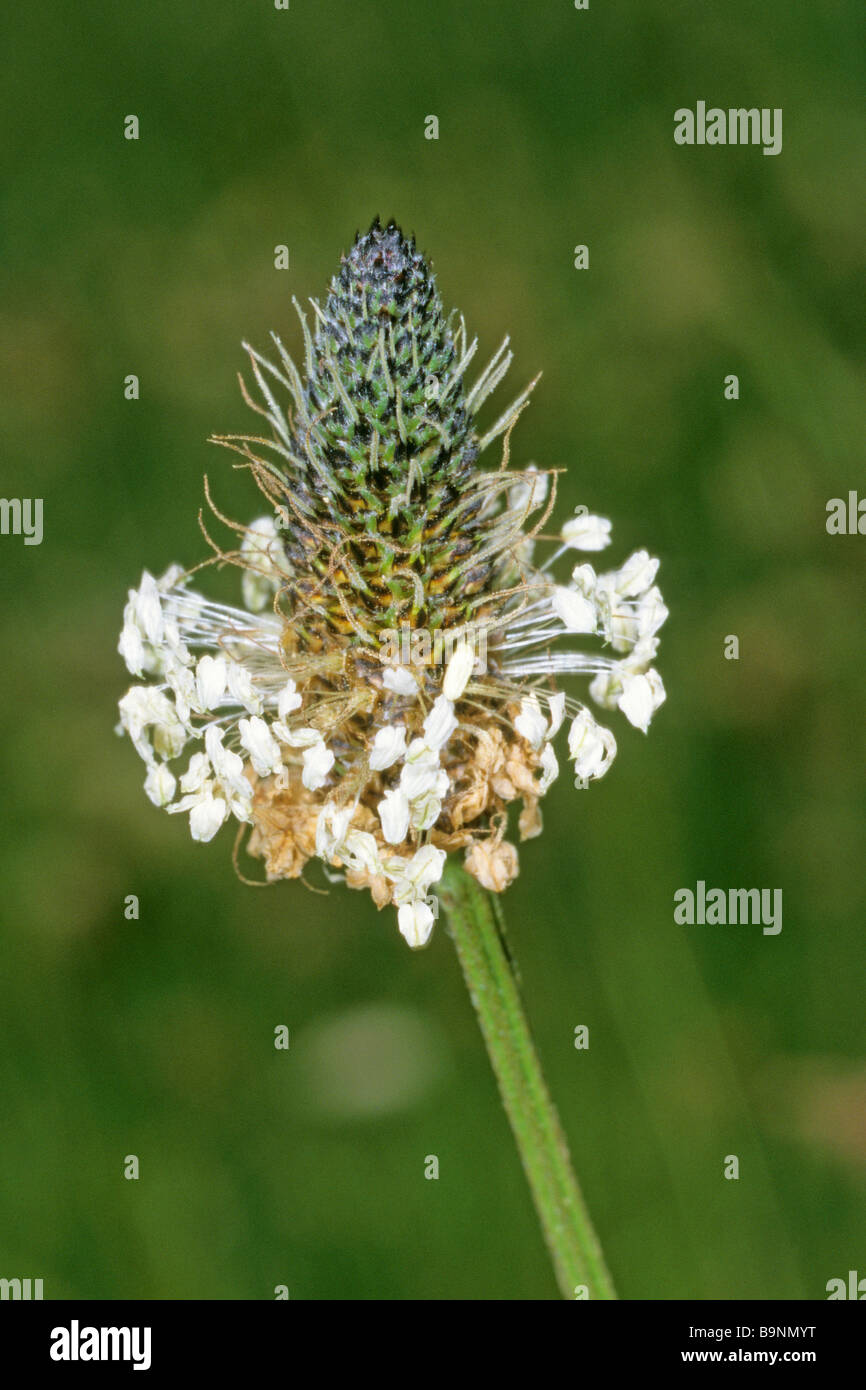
(391, 684)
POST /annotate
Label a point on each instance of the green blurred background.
(155, 1037)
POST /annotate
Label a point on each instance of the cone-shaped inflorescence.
(375, 466)
(404, 692)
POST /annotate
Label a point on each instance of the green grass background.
(155, 1037)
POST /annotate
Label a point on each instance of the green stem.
(476, 927)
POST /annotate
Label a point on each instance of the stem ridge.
(477, 927)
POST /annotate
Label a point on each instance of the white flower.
(261, 745)
(318, 761)
(147, 609)
(388, 745)
(360, 852)
(584, 579)
(159, 784)
(169, 737)
(530, 722)
(557, 713)
(131, 648)
(207, 808)
(634, 577)
(651, 614)
(210, 681)
(415, 921)
(414, 878)
(420, 772)
(337, 842)
(641, 696)
(228, 766)
(592, 747)
(400, 680)
(227, 791)
(241, 688)
(575, 612)
(636, 701)
(206, 816)
(288, 700)
(586, 532)
(182, 684)
(331, 829)
(423, 782)
(145, 707)
(196, 774)
(458, 671)
(261, 549)
(606, 687)
(394, 815)
(440, 723)
(426, 808)
(549, 768)
(633, 622)
(297, 738)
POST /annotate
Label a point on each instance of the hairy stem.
(476, 926)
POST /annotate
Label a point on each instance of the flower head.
(300, 714)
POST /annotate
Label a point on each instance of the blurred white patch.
(369, 1061)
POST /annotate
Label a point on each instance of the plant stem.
(477, 928)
